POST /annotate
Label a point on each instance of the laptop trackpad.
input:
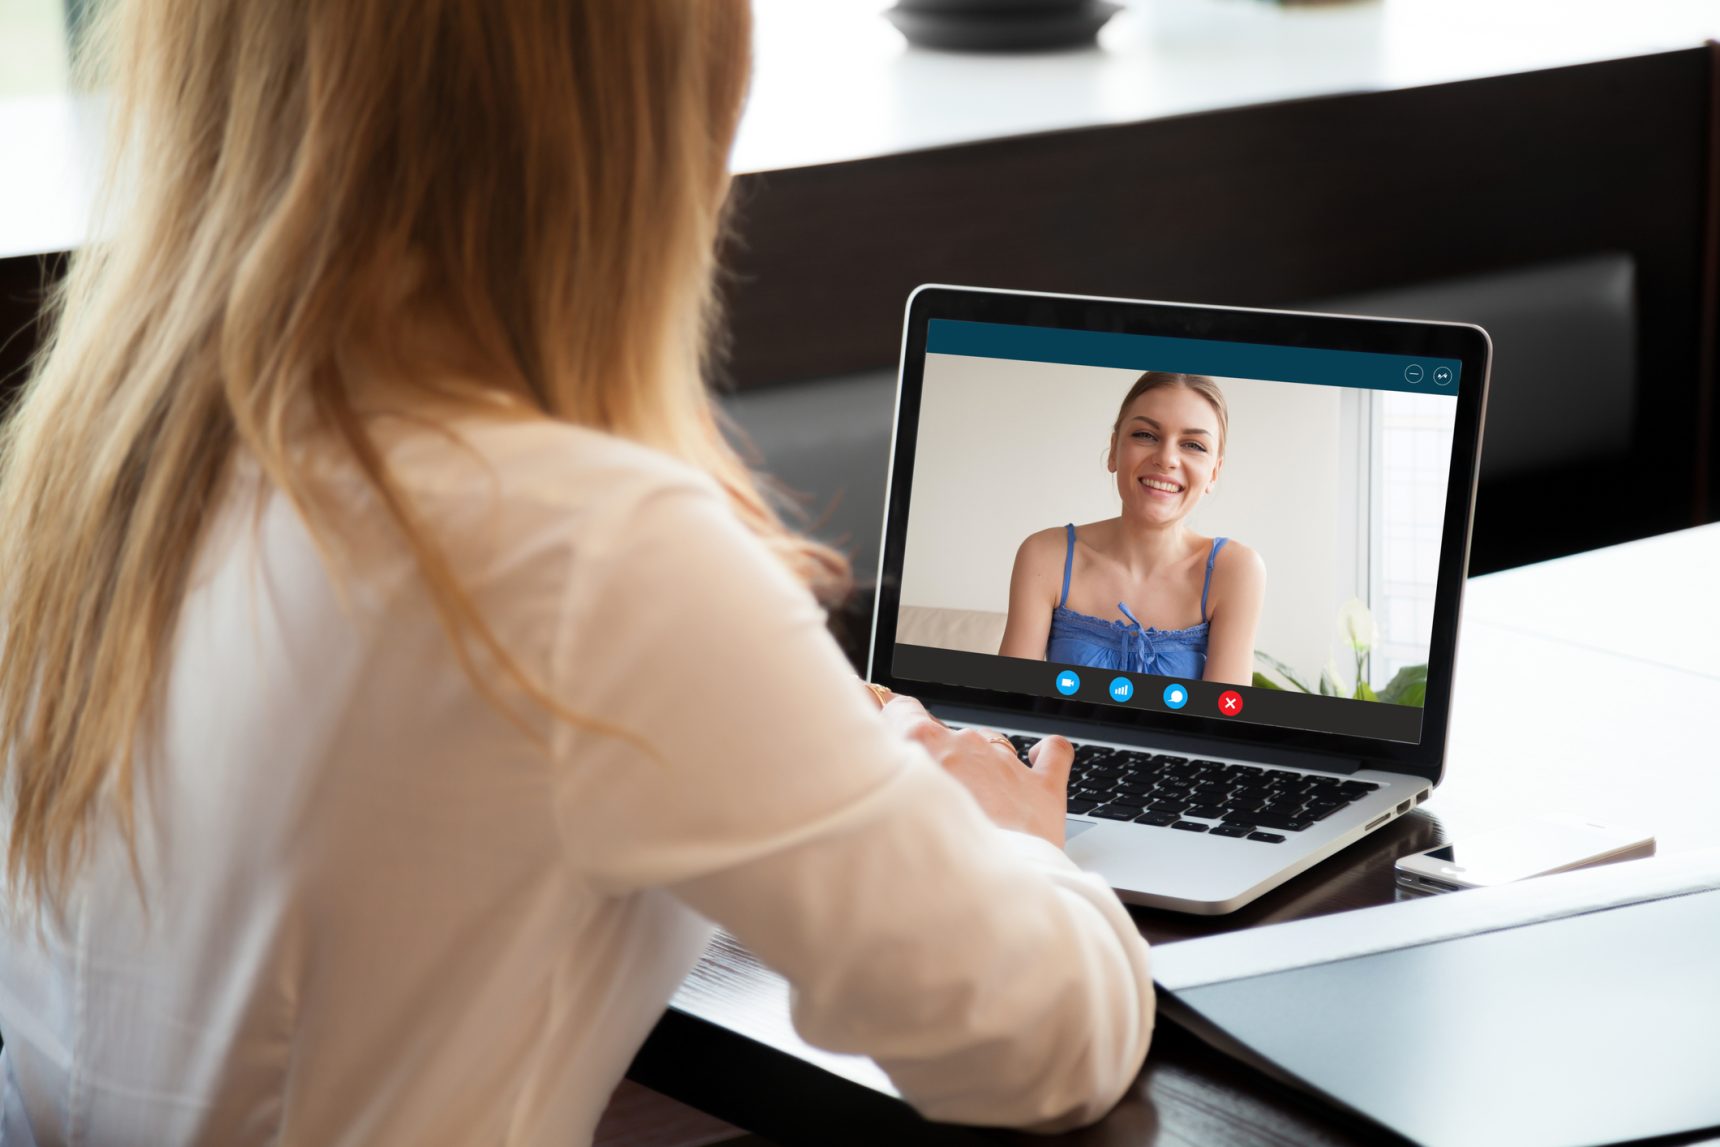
(1073, 828)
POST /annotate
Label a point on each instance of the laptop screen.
(1236, 531)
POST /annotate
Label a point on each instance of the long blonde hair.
(297, 176)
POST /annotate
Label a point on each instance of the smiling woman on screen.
(1141, 592)
(400, 673)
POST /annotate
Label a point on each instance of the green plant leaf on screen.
(1282, 670)
(1407, 687)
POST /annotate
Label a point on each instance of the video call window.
(1330, 498)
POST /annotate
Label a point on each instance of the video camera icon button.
(1230, 703)
(1068, 682)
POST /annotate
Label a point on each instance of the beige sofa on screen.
(973, 630)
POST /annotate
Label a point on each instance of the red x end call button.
(1230, 702)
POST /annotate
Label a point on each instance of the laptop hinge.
(1147, 738)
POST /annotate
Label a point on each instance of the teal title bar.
(1364, 369)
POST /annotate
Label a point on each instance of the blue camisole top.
(1129, 646)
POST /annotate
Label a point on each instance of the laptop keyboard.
(1196, 795)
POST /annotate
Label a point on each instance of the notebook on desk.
(1572, 1009)
(1222, 550)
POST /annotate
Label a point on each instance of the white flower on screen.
(1356, 626)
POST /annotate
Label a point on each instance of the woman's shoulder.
(538, 460)
(1237, 563)
(1043, 548)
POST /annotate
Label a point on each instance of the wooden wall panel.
(1276, 204)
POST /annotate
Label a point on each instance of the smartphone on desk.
(1535, 848)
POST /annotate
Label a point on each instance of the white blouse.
(377, 910)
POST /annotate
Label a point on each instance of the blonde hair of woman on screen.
(400, 669)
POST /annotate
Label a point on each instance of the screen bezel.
(1467, 343)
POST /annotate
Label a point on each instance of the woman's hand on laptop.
(1032, 800)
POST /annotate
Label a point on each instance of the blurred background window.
(32, 47)
(1412, 443)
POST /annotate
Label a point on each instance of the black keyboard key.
(1248, 770)
(1090, 794)
(1111, 812)
(1287, 823)
(1168, 806)
(1205, 812)
(1214, 765)
(1163, 759)
(1190, 826)
(1023, 742)
(1358, 786)
(1231, 830)
(1082, 805)
(1268, 837)
(1089, 754)
(1320, 813)
(1134, 788)
(1135, 806)
(1157, 819)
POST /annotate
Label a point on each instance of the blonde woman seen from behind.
(400, 672)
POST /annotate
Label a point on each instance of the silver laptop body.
(1318, 769)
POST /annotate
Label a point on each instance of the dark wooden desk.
(1577, 693)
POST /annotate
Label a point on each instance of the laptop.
(1221, 550)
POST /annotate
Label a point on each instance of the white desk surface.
(1590, 687)
(1654, 600)
(833, 81)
